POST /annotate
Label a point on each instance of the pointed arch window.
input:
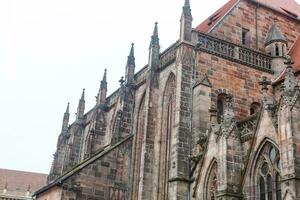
(269, 187)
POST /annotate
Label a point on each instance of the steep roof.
(288, 7)
(18, 182)
(207, 24)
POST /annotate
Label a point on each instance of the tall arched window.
(168, 109)
(212, 183)
(268, 173)
(220, 106)
(138, 149)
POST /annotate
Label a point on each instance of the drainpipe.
(256, 24)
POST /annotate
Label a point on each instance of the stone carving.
(247, 126)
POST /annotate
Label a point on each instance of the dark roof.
(20, 181)
(274, 34)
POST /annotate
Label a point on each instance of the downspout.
(256, 24)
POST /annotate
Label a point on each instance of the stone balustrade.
(236, 53)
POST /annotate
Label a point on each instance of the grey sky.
(50, 50)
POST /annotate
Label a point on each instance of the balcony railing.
(234, 52)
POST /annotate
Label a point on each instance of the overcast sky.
(50, 50)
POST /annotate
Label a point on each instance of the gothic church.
(215, 116)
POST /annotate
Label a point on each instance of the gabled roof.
(19, 182)
(274, 34)
(210, 22)
(288, 7)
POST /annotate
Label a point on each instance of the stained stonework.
(214, 116)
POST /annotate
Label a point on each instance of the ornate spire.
(66, 117)
(154, 37)
(101, 97)
(130, 66)
(81, 106)
(186, 22)
(290, 82)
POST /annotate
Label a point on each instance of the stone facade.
(214, 116)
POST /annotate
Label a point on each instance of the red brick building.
(214, 116)
(19, 185)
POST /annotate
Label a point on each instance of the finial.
(68, 107)
(290, 82)
(265, 83)
(154, 37)
(187, 3)
(132, 50)
(104, 75)
(83, 94)
(121, 81)
(155, 31)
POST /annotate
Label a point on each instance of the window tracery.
(269, 174)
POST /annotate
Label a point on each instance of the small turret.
(66, 117)
(101, 97)
(186, 22)
(276, 46)
(130, 67)
(81, 106)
